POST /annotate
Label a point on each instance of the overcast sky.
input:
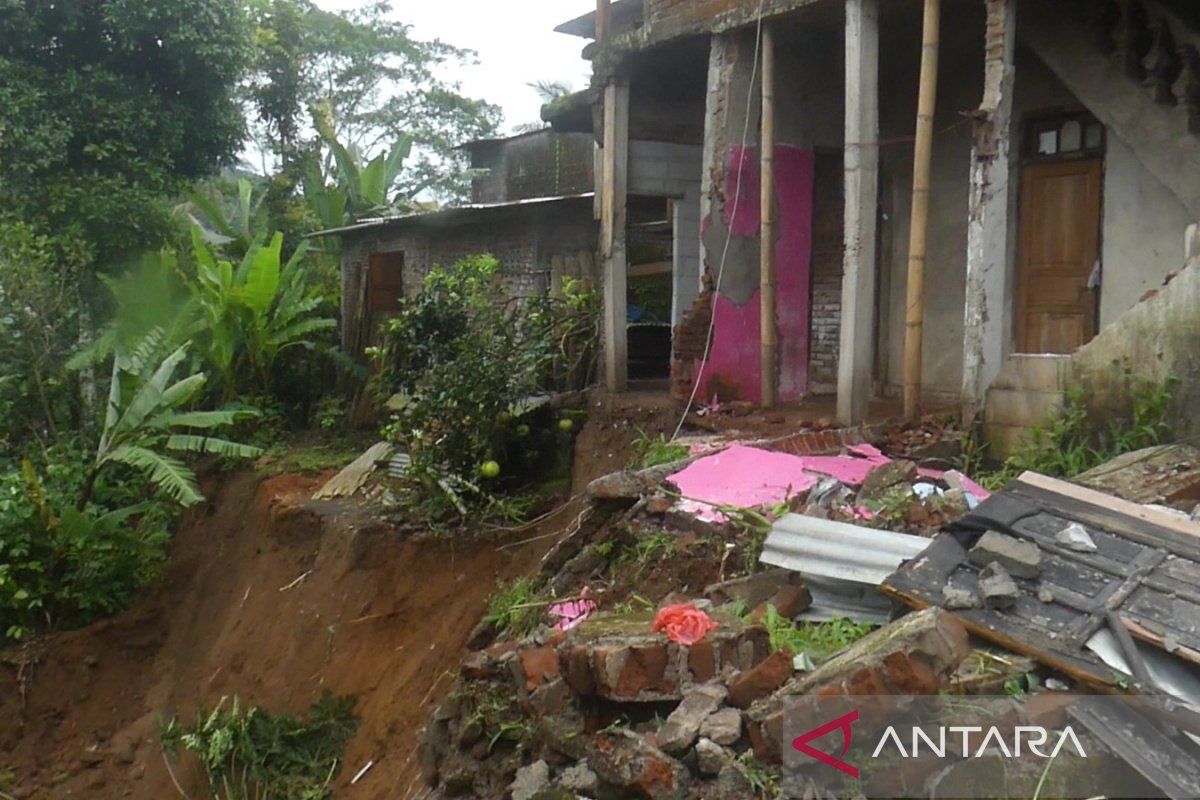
(516, 43)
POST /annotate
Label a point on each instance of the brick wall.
(828, 249)
(690, 339)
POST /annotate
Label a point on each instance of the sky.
(515, 41)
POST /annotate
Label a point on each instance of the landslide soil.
(272, 597)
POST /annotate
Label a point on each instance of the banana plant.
(255, 310)
(232, 229)
(363, 186)
(147, 417)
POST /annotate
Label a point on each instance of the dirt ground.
(273, 597)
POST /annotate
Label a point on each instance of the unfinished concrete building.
(1057, 156)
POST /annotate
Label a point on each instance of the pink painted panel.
(734, 366)
(741, 476)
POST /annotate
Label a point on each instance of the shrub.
(457, 364)
(249, 753)
(68, 568)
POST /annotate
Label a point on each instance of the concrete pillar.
(614, 182)
(988, 246)
(856, 345)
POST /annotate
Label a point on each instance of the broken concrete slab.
(682, 727)
(997, 589)
(913, 655)
(1021, 558)
(579, 779)
(886, 476)
(958, 598)
(1166, 475)
(631, 485)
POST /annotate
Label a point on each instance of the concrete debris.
(530, 781)
(885, 477)
(579, 778)
(628, 762)
(752, 589)
(1020, 558)
(723, 726)
(632, 485)
(682, 727)
(1075, 537)
(711, 758)
(997, 589)
(355, 475)
(958, 599)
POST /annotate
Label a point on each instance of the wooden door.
(1059, 251)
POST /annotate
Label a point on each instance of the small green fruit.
(565, 425)
(490, 470)
(522, 431)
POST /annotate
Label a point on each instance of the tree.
(375, 83)
(107, 106)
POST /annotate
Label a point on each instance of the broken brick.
(682, 727)
(537, 665)
(789, 601)
(628, 762)
(913, 655)
(760, 681)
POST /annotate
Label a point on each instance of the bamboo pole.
(767, 334)
(914, 325)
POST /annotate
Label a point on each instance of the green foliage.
(762, 779)
(651, 452)
(239, 320)
(819, 640)
(147, 415)
(66, 568)
(105, 107)
(514, 607)
(457, 364)
(249, 753)
(1072, 442)
(38, 329)
(374, 81)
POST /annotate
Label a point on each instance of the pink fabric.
(684, 624)
(971, 486)
(572, 612)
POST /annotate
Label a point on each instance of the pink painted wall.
(734, 365)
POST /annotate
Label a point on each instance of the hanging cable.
(737, 196)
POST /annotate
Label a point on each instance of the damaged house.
(1055, 154)
(531, 207)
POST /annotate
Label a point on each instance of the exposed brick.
(757, 683)
(537, 665)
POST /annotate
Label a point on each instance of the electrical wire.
(737, 196)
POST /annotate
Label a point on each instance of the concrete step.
(1042, 372)
(1021, 407)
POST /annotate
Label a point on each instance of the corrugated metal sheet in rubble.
(814, 546)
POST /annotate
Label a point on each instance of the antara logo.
(1033, 738)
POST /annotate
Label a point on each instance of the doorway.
(1058, 257)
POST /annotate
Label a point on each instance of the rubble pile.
(670, 671)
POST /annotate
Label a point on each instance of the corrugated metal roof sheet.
(814, 546)
(447, 214)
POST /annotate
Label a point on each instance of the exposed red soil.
(379, 616)
(274, 597)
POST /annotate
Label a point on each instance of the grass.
(820, 640)
(514, 607)
(651, 452)
(249, 753)
(1071, 442)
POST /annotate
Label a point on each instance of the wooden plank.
(652, 268)
(612, 234)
